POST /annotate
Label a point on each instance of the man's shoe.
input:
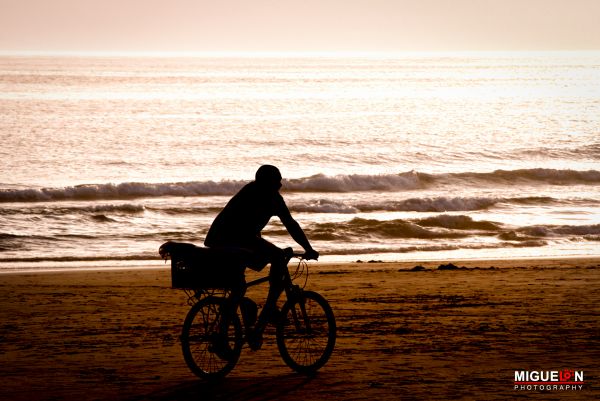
(221, 348)
(255, 340)
(275, 316)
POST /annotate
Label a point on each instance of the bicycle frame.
(291, 290)
(305, 332)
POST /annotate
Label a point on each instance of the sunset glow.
(291, 26)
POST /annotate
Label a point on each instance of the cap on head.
(268, 174)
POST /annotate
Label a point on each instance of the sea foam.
(319, 183)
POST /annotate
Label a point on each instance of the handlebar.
(290, 253)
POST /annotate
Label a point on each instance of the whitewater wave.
(118, 209)
(151, 256)
(128, 190)
(430, 248)
(100, 258)
(439, 204)
(441, 233)
(356, 182)
(444, 226)
(557, 230)
(324, 206)
(318, 183)
(458, 223)
(542, 175)
(417, 180)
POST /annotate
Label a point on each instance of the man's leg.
(228, 311)
(268, 253)
(276, 275)
(277, 259)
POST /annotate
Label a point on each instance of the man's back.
(244, 217)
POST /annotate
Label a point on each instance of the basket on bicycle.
(194, 267)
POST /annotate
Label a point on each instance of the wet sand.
(402, 335)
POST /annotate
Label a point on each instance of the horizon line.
(286, 54)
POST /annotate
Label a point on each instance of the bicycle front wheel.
(210, 350)
(306, 332)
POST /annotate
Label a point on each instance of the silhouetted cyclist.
(239, 225)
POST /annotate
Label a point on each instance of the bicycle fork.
(295, 296)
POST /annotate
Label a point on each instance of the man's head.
(269, 177)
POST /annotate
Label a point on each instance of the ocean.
(404, 157)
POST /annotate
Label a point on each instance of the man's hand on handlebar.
(311, 254)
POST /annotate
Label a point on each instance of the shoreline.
(549, 261)
(437, 335)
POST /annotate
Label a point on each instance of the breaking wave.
(437, 233)
(439, 204)
(444, 226)
(319, 183)
(566, 230)
(60, 210)
(128, 190)
(541, 175)
(430, 248)
(147, 256)
(357, 182)
(458, 223)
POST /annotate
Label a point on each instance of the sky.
(298, 25)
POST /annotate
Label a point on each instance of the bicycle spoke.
(306, 336)
(201, 336)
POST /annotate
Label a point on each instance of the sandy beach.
(459, 334)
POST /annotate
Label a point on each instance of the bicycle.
(305, 328)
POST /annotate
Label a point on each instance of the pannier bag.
(194, 267)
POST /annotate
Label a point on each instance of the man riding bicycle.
(239, 225)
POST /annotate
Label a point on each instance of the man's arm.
(297, 233)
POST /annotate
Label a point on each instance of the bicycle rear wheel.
(210, 351)
(306, 332)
